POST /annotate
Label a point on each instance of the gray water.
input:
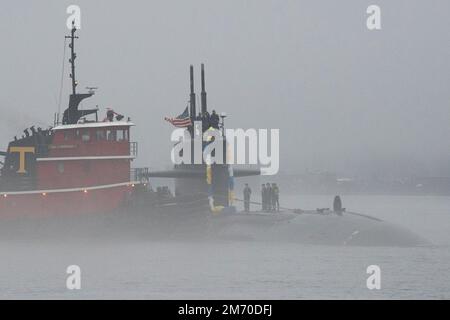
(144, 269)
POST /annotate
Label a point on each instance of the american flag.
(182, 121)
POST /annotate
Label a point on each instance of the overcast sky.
(345, 99)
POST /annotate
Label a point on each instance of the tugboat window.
(101, 135)
(86, 136)
(111, 135)
(67, 135)
(120, 135)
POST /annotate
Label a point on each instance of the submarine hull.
(193, 221)
(307, 227)
(313, 228)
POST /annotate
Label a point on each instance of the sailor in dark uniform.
(337, 205)
(247, 194)
(269, 197)
(264, 197)
(214, 120)
(205, 121)
(276, 197)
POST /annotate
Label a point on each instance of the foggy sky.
(345, 99)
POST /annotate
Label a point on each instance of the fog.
(345, 99)
(126, 262)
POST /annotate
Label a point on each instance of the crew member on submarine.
(247, 194)
(269, 197)
(275, 197)
(214, 120)
(263, 197)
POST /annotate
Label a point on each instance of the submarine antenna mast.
(192, 110)
(192, 95)
(73, 56)
(203, 94)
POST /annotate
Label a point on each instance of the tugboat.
(78, 166)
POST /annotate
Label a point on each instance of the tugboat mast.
(72, 114)
(73, 56)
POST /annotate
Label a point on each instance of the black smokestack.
(192, 96)
(204, 106)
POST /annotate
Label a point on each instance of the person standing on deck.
(276, 197)
(205, 121)
(214, 120)
(247, 194)
(337, 205)
(269, 197)
(263, 197)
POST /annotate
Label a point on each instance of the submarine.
(204, 205)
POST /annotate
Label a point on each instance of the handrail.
(139, 174)
(134, 149)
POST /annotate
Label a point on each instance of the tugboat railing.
(134, 149)
(139, 174)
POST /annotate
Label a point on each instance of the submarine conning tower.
(195, 179)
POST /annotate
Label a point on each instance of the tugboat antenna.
(73, 56)
(72, 114)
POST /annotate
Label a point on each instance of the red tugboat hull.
(65, 202)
